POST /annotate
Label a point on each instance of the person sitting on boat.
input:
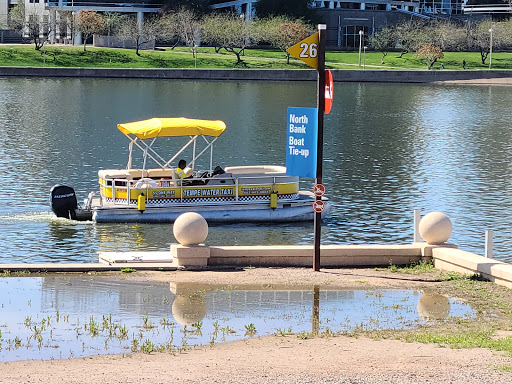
(181, 171)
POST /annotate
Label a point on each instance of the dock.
(446, 257)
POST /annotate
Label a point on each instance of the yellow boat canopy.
(172, 127)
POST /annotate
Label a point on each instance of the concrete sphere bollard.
(190, 228)
(435, 228)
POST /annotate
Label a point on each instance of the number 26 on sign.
(308, 50)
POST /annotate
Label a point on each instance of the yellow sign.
(306, 50)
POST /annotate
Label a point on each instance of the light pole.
(364, 57)
(490, 49)
(360, 44)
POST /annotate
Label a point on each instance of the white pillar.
(417, 219)
(140, 20)
(78, 34)
(488, 243)
(363, 6)
(53, 25)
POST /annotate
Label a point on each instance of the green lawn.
(181, 57)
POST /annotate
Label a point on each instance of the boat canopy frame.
(145, 144)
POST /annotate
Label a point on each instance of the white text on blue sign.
(301, 141)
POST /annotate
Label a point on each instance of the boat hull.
(226, 214)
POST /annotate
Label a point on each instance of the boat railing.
(258, 186)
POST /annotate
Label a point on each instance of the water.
(389, 149)
(58, 317)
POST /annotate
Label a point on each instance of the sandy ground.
(280, 359)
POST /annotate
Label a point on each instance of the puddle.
(58, 317)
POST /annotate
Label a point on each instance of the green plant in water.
(164, 322)
(123, 332)
(147, 346)
(135, 345)
(146, 323)
(93, 327)
(250, 330)
(198, 325)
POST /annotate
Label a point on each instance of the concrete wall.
(455, 260)
(302, 256)
(257, 74)
(337, 256)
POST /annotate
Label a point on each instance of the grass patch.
(414, 268)
(492, 305)
(207, 57)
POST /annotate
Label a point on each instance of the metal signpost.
(312, 51)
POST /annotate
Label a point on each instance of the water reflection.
(63, 316)
(433, 306)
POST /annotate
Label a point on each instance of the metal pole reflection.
(315, 318)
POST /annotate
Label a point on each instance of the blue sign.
(301, 141)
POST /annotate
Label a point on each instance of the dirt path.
(277, 360)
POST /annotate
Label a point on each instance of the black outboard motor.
(63, 201)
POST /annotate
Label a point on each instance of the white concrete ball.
(190, 228)
(435, 228)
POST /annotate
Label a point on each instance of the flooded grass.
(57, 317)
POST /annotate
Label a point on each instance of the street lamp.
(364, 57)
(490, 49)
(360, 44)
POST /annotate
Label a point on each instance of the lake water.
(389, 149)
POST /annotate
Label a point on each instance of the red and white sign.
(319, 190)
(318, 206)
(329, 86)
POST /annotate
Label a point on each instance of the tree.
(198, 7)
(112, 22)
(293, 9)
(32, 26)
(228, 31)
(448, 36)
(147, 32)
(430, 53)
(480, 38)
(90, 23)
(187, 27)
(282, 32)
(383, 41)
(409, 36)
(67, 21)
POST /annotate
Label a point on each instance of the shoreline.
(491, 77)
(359, 358)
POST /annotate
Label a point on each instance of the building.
(58, 13)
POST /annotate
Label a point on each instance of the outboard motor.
(63, 201)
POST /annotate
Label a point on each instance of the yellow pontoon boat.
(260, 193)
